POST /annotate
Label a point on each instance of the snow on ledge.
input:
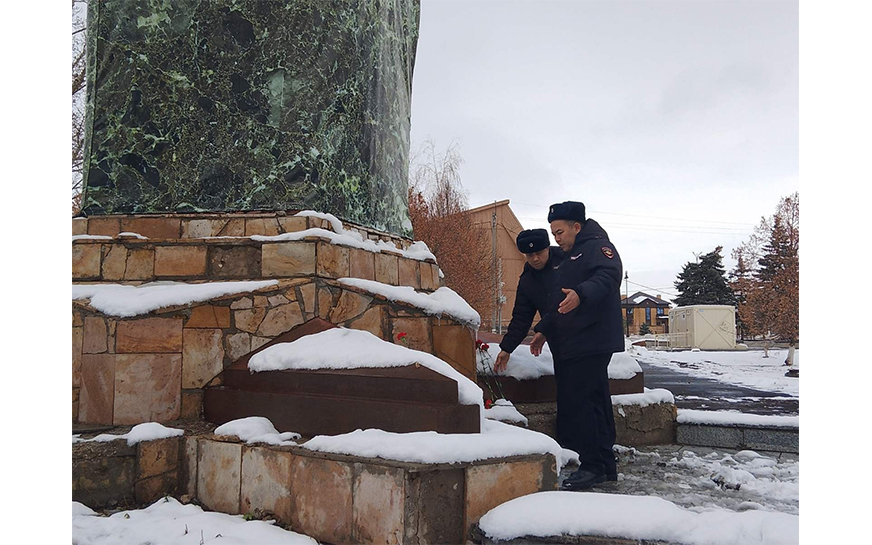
(256, 429)
(442, 301)
(149, 431)
(125, 301)
(417, 251)
(525, 366)
(648, 397)
(91, 237)
(729, 418)
(341, 348)
(634, 517)
(497, 440)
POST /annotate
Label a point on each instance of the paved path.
(701, 393)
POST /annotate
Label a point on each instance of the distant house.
(507, 263)
(641, 308)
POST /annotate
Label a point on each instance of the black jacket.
(533, 295)
(593, 269)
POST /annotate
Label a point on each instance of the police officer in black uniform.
(534, 286)
(584, 325)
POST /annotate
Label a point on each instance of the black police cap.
(533, 240)
(568, 210)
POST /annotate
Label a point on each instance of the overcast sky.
(676, 123)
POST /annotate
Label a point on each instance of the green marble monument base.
(244, 105)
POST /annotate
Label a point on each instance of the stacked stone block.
(343, 499)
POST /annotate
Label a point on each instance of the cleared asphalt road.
(700, 393)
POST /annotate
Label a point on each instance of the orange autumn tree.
(437, 206)
(766, 280)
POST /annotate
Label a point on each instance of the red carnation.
(485, 346)
(401, 336)
(488, 403)
(478, 343)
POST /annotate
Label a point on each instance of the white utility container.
(707, 327)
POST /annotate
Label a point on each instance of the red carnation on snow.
(488, 403)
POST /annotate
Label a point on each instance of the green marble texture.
(237, 105)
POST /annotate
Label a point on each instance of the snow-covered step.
(727, 429)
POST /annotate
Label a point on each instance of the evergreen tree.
(644, 329)
(703, 283)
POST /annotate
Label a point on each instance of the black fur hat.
(533, 240)
(568, 210)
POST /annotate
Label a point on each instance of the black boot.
(583, 479)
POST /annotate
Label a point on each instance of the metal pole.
(627, 300)
(494, 267)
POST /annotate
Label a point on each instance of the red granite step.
(312, 415)
(332, 401)
(407, 383)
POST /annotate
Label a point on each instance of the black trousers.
(585, 422)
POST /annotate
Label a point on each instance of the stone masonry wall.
(131, 260)
(154, 367)
(113, 474)
(635, 425)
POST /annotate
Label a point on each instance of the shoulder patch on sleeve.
(608, 252)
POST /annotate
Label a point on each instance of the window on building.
(661, 311)
(648, 315)
(629, 316)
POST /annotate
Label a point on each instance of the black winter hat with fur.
(533, 240)
(568, 210)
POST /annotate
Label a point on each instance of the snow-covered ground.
(743, 367)
(688, 495)
(169, 522)
(701, 478)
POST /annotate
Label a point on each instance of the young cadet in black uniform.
(534, 286)
(584, 325)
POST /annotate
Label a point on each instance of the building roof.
(641, 298)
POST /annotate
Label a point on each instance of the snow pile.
(504, 411)
(131, 235)
(525, 366)
(442, 301)
(149, 431)
(417, 251)
(731, 418)
(80, 509)
(634, 517)
(497, 440)
(648, 397)
(746, 367)
(169, 522)
(125, 301)
(256, 429)
(341, 348)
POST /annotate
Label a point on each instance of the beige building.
(507, 263)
